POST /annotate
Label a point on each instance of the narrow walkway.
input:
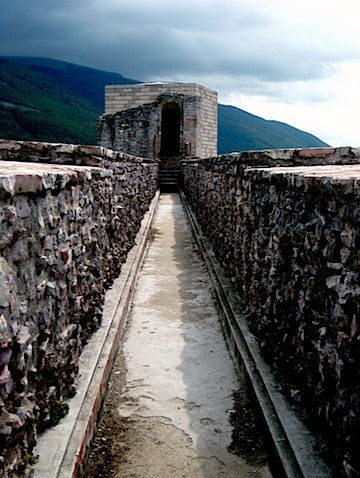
(171, 395)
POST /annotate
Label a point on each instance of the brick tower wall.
(199, 113)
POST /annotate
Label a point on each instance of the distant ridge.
(44, 99)
(242, 131)
(35, 107)
(81, 80)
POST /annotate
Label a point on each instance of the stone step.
(169, 179)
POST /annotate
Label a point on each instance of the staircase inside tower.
(170, 174)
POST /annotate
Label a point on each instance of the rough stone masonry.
(285, 226)
(135, 116)
(65, 230)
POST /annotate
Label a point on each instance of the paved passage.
(173, 381)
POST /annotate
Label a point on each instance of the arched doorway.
(170, 130)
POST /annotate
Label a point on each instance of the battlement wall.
(285, 224)
(68, 217)
(285, 227)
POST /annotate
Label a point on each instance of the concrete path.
(175, 373)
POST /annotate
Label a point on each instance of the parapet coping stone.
(155, 86)
(62, 449)
(347, 171)
(292, 157)
(20, 178)
(344, 178)
(38, 152)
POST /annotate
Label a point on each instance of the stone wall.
(66, 226)
(286, 228)
(135, 131)
(198, 107)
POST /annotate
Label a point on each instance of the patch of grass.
(58, 410)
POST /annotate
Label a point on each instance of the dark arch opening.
(170, 130)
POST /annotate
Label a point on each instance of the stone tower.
(167, 121)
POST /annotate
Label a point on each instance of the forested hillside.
(34, 106)
(42, 99)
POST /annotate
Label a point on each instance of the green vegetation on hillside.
(88, 83)
(242, 131)
(33, 106)
(42, 99)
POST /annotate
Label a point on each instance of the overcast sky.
(293, 61)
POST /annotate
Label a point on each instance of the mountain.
(242, 131)
(80, 80)
(44, 99)
(34, 106)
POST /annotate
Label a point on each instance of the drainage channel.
(294, 451)
(177, 399)
(175, 396)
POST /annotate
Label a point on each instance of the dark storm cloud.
(155, 39)
(291, 60)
